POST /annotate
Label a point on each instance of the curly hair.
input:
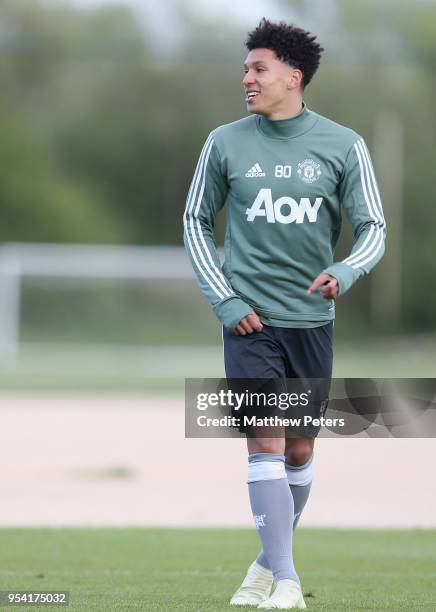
(290, 44)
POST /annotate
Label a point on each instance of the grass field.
(163, 368)
(197, 570)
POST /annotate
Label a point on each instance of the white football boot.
(255, 588)
(287, 595)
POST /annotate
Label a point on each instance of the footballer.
(286, 174)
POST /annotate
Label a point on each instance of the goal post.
(114, 302)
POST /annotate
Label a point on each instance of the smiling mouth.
(251, 96)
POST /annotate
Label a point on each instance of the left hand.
(329, 286)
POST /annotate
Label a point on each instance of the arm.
(359, 195)
(206, 197)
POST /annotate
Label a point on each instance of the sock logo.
(259, 520)
(283, 210)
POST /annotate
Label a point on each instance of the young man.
(286, 173)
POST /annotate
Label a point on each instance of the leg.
(272, 503)
(309, 354)
(299, 469)
(257, 357)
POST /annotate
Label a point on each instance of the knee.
(274, 446)
(299, 454)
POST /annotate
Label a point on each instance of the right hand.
(248, 325)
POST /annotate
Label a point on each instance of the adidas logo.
(256, 170)
(259, 520)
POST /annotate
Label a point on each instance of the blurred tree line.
(101, 132)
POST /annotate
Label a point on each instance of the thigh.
(254, 363)
(308, 351)
(309, 355)
(255, 355)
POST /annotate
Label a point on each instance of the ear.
(295, 79)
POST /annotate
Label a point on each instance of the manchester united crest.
(309, 171)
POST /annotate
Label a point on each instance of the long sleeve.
(360, 198)
(206, 197)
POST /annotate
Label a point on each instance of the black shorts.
(280, 353)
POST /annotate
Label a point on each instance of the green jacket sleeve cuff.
(231, 311)
(345, 275)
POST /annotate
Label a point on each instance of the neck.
(289, 126)
(292, 109)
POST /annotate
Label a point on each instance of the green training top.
(285, 183)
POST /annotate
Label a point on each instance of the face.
(269, 83)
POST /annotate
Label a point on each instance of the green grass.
(197, 570)
(160, 368)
